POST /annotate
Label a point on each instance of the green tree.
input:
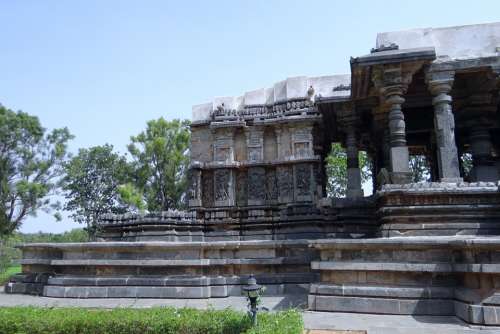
(467, 164)
(91, 184)
(161, 159)
(336, 170)
(419, 168)
(30, 167)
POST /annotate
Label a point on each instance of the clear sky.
(103, 68)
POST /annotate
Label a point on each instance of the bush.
(6, 274)
(28, 320)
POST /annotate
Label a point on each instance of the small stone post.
(353, 171)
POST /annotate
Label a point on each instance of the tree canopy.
(336, 170)
(30, 167)
(161, 160)
(92, 184)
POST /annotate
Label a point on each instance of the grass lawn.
(4, 276)
(31, 320)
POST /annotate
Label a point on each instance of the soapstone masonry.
(258, 204)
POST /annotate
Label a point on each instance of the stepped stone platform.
(438, 208)
(163, 269)
(410, 275)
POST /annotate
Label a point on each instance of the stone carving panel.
(302, 142)
(271, 185)
(284, 181)
(256, 184)
(254, 153)
(255, 141)
(194, 192)
(301, 149)
(222, 180)
(222, 153)
(303, 181)
(207, 179)
(241, 187)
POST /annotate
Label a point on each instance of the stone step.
(167, 263)
(177, 292)
(376, 305)
(179, 280)
(385, 291)
(490, 268)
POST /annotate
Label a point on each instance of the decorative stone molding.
(153, 217)
(441, 187)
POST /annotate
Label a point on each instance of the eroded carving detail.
(241, 187)
(284, 182)
(222, 184)
(271, 185)
(256, 183)
(303, 179)
(207, 179)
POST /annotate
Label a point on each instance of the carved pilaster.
(440, 85)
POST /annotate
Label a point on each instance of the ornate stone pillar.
(440, 84)
(398, 151)
(484, 166)
(353, 171)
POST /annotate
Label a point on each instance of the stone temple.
(258, 203)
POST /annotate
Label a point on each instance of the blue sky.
(103, 68)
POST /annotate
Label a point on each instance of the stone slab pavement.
(372, 324)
